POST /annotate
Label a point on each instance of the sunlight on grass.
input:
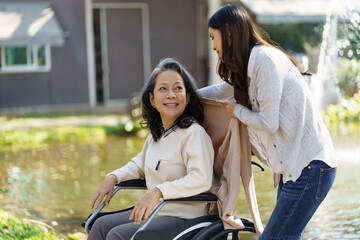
(25, 133)
(12, 228)
(23, 139)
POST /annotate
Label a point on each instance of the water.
(55, 186)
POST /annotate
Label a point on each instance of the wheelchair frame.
(215, 228)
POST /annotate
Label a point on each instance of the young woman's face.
(215, 35)
(169, 96)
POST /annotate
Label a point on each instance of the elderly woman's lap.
(118, 226)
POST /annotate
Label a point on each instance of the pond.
(55, 186)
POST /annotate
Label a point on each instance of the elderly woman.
(176, 159)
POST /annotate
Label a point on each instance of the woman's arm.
(106, 188)
(268, 82)
(134, 169)
(219, 91)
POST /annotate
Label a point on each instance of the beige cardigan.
(232, 162)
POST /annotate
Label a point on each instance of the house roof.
(305, 11)
(29, 23)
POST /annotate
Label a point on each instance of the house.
(58, 55)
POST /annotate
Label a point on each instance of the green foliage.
(23, 139)
(38, 138)
(347, 110)
(127, 128)
(71, 236)
(13, 228)
(293, 37)
(348, 34)
(348, 73)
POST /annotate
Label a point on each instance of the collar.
(251, 63)
(169, 130)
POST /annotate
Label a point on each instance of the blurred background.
(70, 76)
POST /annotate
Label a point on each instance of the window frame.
(28, 67)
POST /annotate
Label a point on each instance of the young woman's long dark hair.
(194, 110)
(233, 21)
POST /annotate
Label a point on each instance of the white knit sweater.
(285, 128)
(180, 164)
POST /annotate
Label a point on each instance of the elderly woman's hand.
(145, 205)
(105, 189)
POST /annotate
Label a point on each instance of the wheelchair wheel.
(216, 231)
(209, 231)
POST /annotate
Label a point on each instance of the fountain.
(341, 37)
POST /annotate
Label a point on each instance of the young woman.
(285, 129)
(176, 159)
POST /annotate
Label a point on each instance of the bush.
(348, 36)
(347, 110)
(348, 74)
(123, 128)
(293, 37)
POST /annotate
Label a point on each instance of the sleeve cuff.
(238, 110)
(162, 189)
(117, 178)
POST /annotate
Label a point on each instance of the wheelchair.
(200, 228)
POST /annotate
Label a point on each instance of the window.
(31, 58)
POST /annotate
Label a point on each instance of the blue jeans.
(297, 202)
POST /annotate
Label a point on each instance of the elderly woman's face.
(169, 96)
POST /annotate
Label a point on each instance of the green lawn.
(20, 135)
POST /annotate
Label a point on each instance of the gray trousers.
(118, 226)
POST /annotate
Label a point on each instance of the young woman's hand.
(105, 189)
(145, 205)
(230, 106)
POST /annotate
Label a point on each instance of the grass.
(20, 139)
(13, 228)
(24, 139)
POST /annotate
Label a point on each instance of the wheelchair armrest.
(202, 197)
(133, 184)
